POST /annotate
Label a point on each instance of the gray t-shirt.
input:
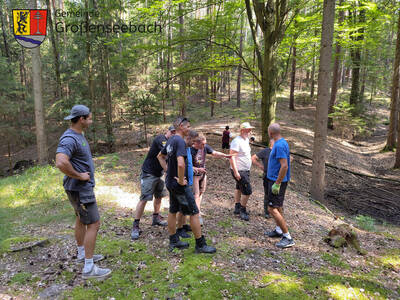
(77, 148)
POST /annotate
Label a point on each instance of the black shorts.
(182, 200)
(226, 146)
(88, 213)
(244, 183)
(276, 200)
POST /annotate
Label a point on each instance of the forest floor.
(247, 264)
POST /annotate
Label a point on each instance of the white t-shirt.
(243, 158)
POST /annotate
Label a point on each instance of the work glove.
(275, 188)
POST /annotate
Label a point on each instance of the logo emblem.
(30, 26)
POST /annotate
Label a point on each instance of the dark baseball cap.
(78, 110)
(171, 128)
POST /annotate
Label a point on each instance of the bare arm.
(181, 170)
(63, 163)
(232, 161)
(282, 170)
(220, 154)
(256, 161)
(162, 158)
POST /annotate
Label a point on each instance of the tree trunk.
(3, 30)
(391, 138)
(239, 71)
(107, 98)
(167, 88)
(182, 85)
(336, 71)
(293, 78)
(40, 123)
(57, 92)
(324, 79)
(312, 78)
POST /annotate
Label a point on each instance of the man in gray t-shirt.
(74, 159)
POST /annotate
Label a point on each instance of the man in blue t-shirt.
(151, 183)
(74, 159)
(278, 176)
(181, 198)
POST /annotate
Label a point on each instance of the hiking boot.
(182, 233)
(135, 232)
(96, 272)
(174, 242)
(273, 234)
(285, 243)
(96, 258)
(158, 220)
(187, 227)
(243, 214)
(237, 208)
(202, 247)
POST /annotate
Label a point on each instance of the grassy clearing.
(140, 271)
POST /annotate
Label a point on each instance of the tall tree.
(391, 138)
(272, 18)
(324, 79)
(336, 69)
(41, 139)
(239, 68)
(292, 78)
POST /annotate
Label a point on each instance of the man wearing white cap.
(240, 169)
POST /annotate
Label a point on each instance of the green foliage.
(365, 222)
(335, 260)
(22, 278)
(345, 122)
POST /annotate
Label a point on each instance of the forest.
(326, 70)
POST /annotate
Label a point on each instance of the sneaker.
(244, 215)
(135, 232)
(96, 272)
(285, 243)
(187, 227)
(158, 220)
(237, 208)
(182, 233)
(202, 247)
(96, 258)
(175, 242)
(273, 234)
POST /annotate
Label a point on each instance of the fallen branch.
(327, 164)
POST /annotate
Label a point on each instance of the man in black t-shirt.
(181, 198)
(263, 155)
(151, 183)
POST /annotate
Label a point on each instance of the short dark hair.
(179, 121)
(226, 127)
(76, 119)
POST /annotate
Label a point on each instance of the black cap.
(78, 110)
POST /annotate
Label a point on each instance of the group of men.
(181, 154)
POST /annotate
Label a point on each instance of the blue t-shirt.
(76, 147)
(175, 147)
(189, 167)
(280, 150)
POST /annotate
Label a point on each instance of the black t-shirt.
(264, 156)
(175, 147)
(199, 156)
(151, 164)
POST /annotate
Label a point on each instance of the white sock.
(88, 265)
(81, 252)
(287, 235)
(278, 230)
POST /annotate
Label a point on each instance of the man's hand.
(201, 170)
(84, 176)
(228, 156)
(181, 183)
(237, 176)
(276, 188)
